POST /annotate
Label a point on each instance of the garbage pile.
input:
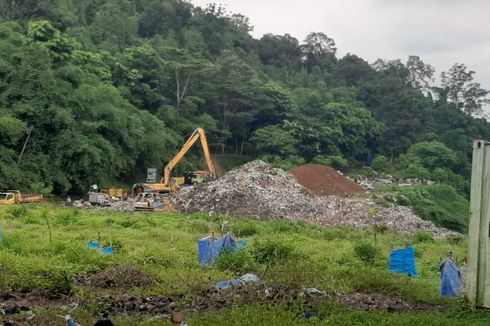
(259, 190)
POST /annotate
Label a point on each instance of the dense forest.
(100, 90)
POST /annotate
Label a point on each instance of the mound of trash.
(325, 181)
(257, 189)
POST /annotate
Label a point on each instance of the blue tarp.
(95, 245)
(403, 261)
(450, 278)
(209, 248)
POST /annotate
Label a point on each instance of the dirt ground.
(215, 300)
(325, 181)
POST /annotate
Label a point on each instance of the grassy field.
(44, 252)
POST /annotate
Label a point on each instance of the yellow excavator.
(169, 184)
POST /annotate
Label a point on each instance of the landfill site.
(311, 193)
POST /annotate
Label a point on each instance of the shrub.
(239, 262)
(380, 228)
(367, 172)
(402, 200)
(17, 211)
(455, 239)
(366, 252)
(422, 236)
(271, 252)
(243, 228)
(67, 217)
(381, 163)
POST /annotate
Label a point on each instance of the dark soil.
(324, 181)
(215, 300)
(121, 277)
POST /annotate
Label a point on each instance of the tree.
(462, 91)
(274, 140)
(162, 16)
(318, 49)
(430, 155)
(185, 66)
(420, 73)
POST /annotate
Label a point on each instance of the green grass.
(440, 204)
(283, 254)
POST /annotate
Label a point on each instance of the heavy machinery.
(169, 184)
(11, 197)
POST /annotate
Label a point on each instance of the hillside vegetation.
(99, 90)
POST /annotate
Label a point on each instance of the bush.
(422, 236)
(381, 228)
(366, 252)
(271, 252)
(17, 211)
(67, 217)
(367, 172)
(381, 163)
(440, 204)
(416, 172)
(455, 239)
(244, 228)
(239, 262)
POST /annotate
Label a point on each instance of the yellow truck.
(11, 197)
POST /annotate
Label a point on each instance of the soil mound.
(123, 277)
(259, 190)
(324, 181)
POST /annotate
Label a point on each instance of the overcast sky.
(441, 32)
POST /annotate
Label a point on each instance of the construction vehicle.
(169, 184)
(11, 197)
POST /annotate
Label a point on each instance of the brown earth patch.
(121, 277)
(324, 181)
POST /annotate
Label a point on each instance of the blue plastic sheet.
(403, 261)
(450, 279)
(107, 250)
(93, 245)
(209, 248)
(96, 246)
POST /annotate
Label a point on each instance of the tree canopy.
(100, 90)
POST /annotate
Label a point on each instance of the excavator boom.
(198, 134)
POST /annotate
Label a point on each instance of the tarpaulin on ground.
(210, 248)
(450, 278)
(403, 261)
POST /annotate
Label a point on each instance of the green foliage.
(110, 88)
(239, 262)
(381, 163)
(337, 162)
(429, 155)
(422, 236)
(271, 252)
(440, 204)
(366, 252)
(17, 211)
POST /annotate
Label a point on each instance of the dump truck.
(11, 197)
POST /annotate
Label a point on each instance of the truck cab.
(7, 198)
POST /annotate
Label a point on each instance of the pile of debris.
(260, 190)
(325, 181)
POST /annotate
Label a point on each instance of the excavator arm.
(198, 134)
